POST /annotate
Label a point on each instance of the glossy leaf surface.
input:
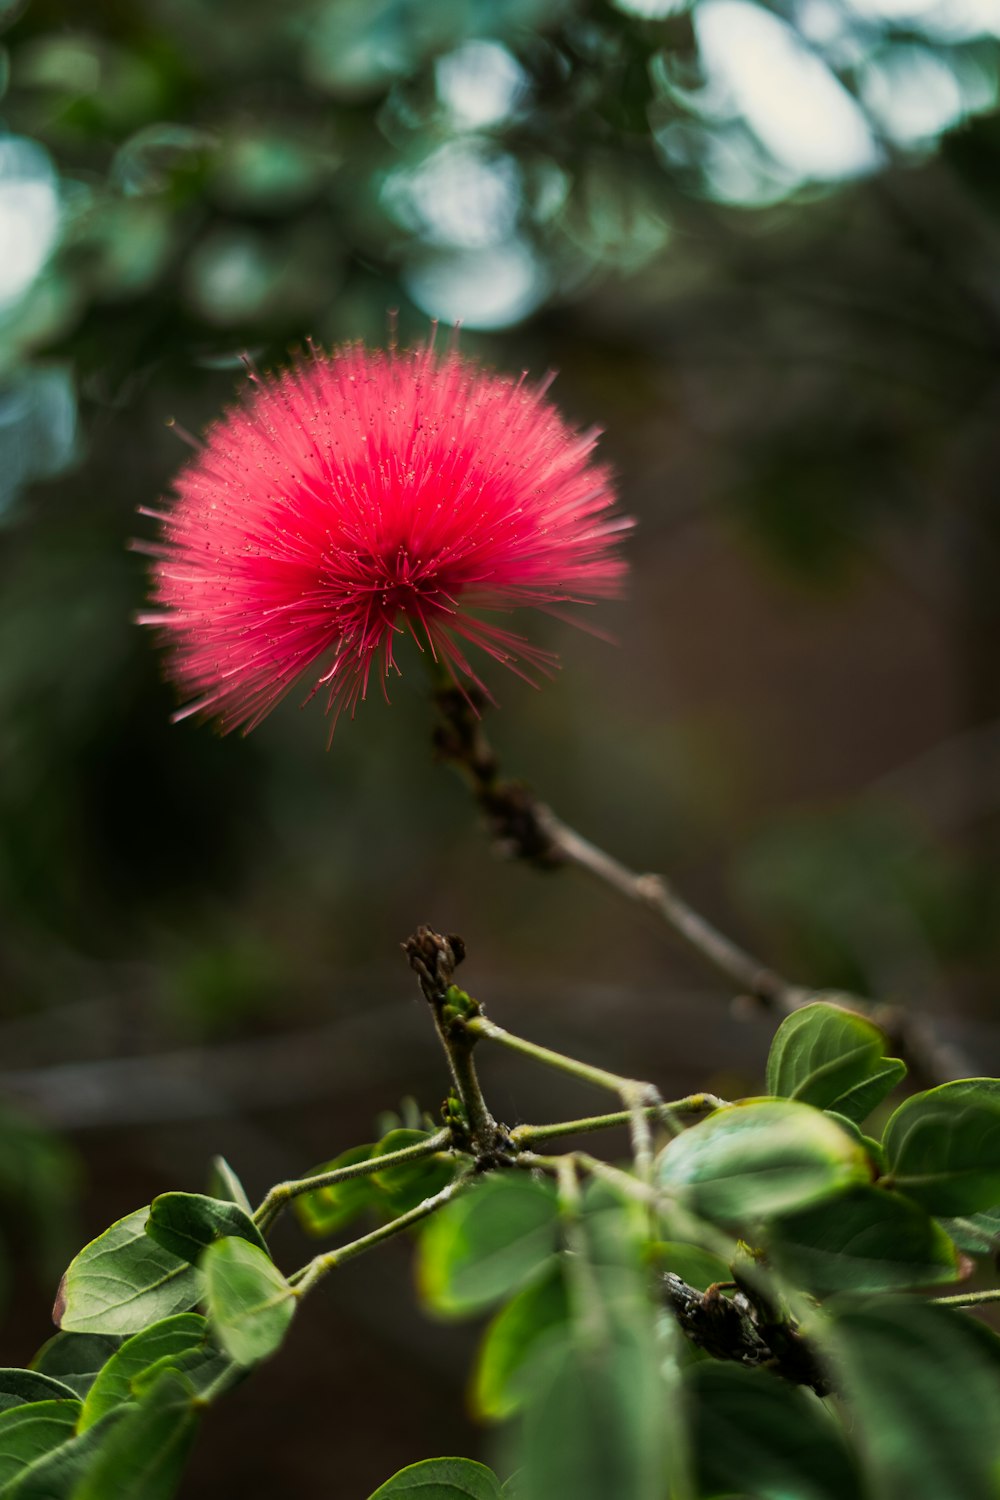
(923, 1398)
(75, 1358)
(867, 1240)
(114, 1384)
(185, 1223)
(250, 1303)
(760, 1158)
(123, 1281)
(18, 1387)
(29, 1432)
(943, 1147)
(144, 1454)
(752, 1434)
(833, 1059)
(442, 1479)
(488, 1243)
(511, 1339)
(595, 1423)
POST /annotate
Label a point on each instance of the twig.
(657, 895)
(434, 958)
(623, 1182)
(525, 828)
(696, 1104)
(730, 1328)
(284, 1192)
(591, 1314)
(601, 1078)
(968, 1299)
(322, 1265)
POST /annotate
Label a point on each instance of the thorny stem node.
(434, 958)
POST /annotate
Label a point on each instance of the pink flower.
(362, 496)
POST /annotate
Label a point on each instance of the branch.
(731, 1328)
(601, 1078)
(434, 958)
(322, 1265)
(637, 1096)
(968, 1299)
(623, 1182)
(284, 1192)
(525, 828)
(749, 974)
(695, 1104)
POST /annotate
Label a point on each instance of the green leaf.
(511, 1340)
(442, 1479)
(987, 1339)
(699, 1268)
(224, 1183)
(615, 1230)
(833, 1059)
(752, 1434)
(75, 1358)
(200, 1367)
(55, 1475)
(873, 1149)
(759, 1158)
(123, 1281)
(18, 1387)
(185, 1223)
(393, 1190)
(595, 1420)
(411, 1182)
(857, 1103)
(976, 1234)
(167, 1339)
(144, 1454)
(867, 1240)
(943, 1147)
(487, 1244)
(29, 1432)
(249, 1301)
(331, 1208)
(922, 1396)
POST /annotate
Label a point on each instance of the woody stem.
(525, 828)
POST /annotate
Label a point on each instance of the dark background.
(762, 249)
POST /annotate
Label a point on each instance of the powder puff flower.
(361, 496)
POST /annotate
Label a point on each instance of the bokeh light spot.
(29, 214)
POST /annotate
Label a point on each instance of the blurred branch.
(733, 1328)
(198, 1082)
(524, 828)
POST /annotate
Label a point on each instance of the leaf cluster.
(748, 1318)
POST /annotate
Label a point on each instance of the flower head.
(361, 496)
